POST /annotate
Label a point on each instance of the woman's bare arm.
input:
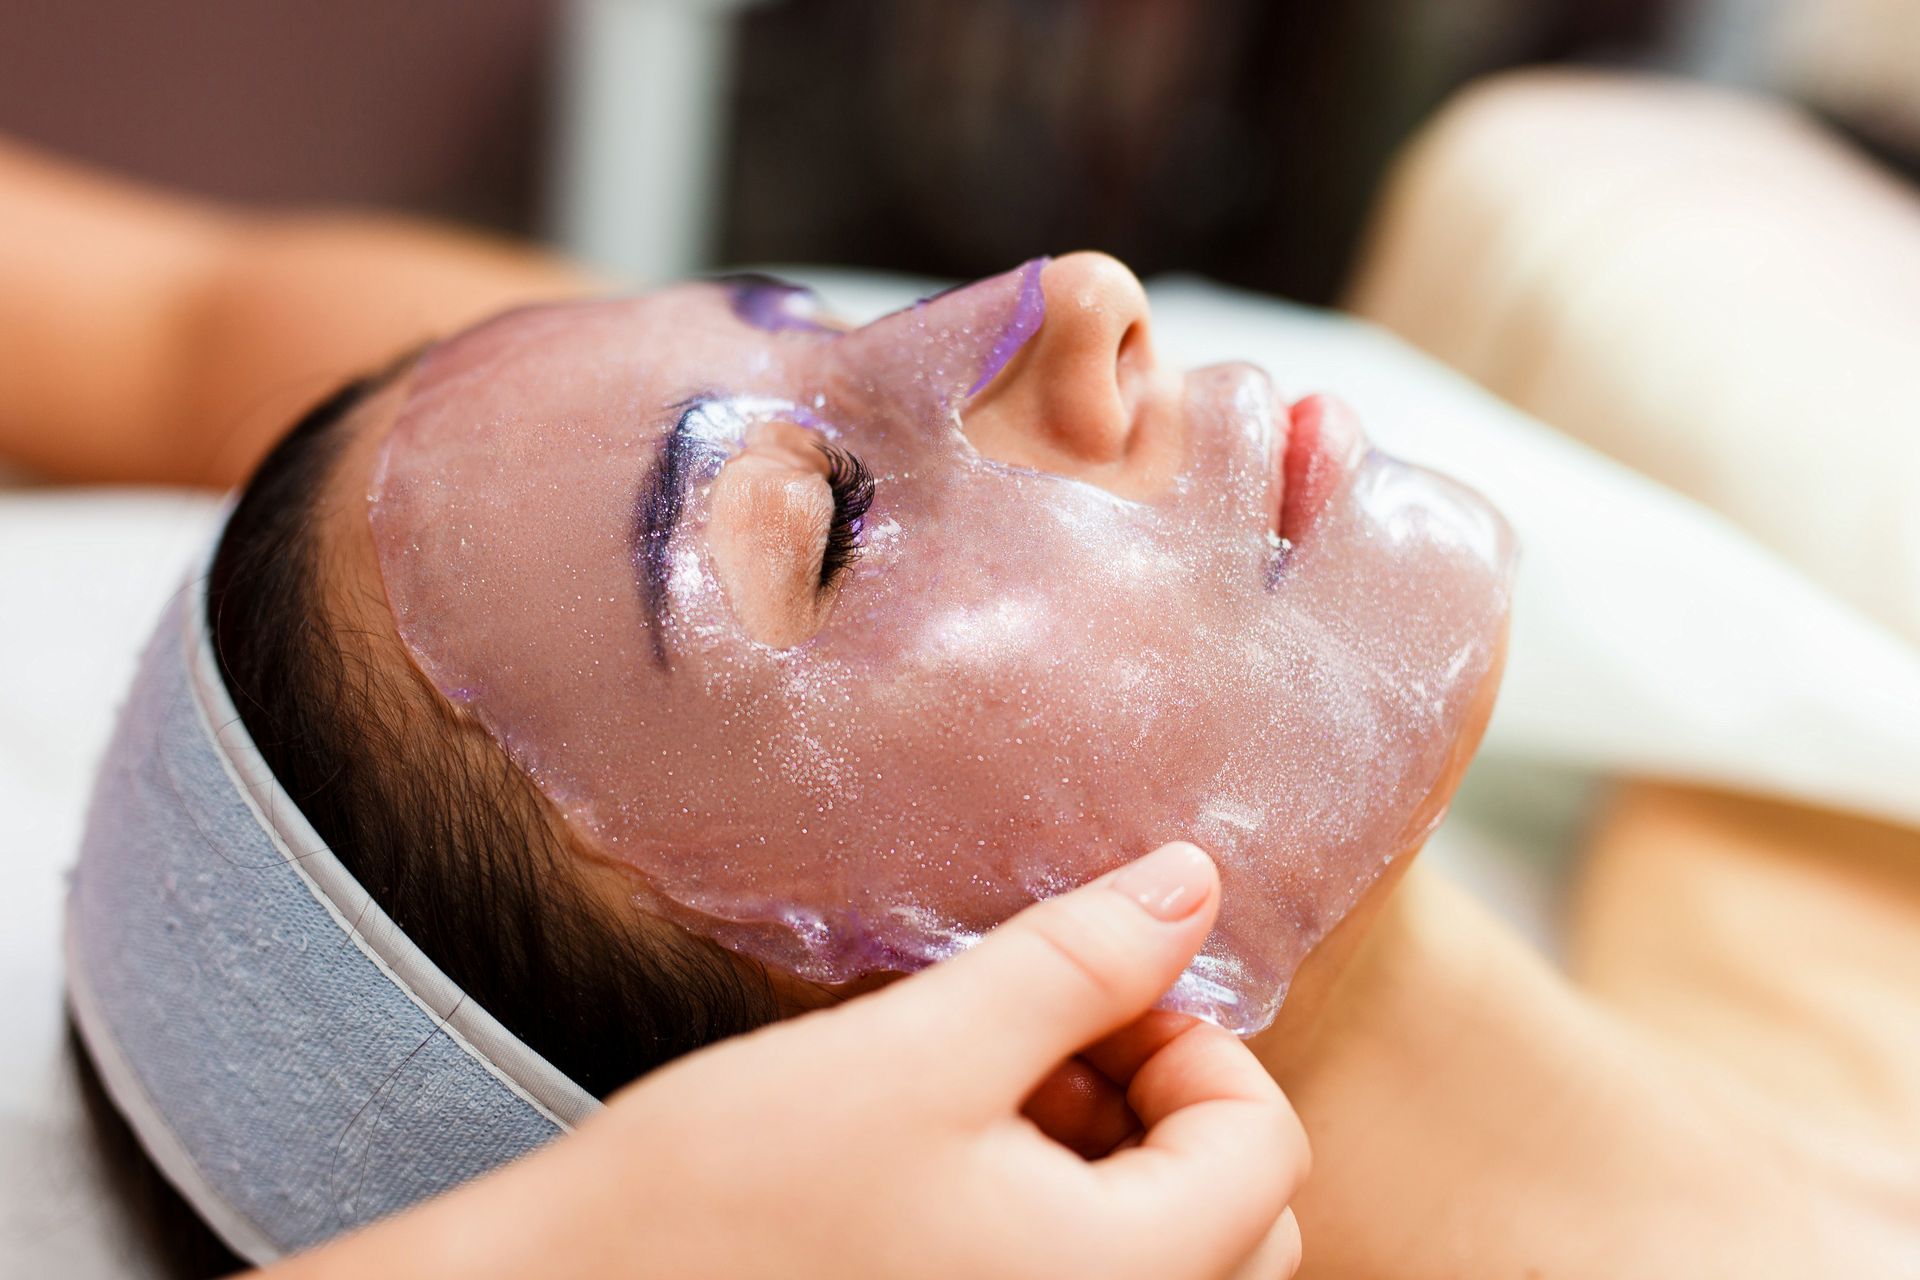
(1781, 942)
(147, 337)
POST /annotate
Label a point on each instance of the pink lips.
(1323, 444)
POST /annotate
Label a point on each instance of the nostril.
(1135, 352)
(1133, 368)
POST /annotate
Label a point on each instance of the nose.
(1085, 395)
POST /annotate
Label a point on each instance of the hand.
(885, 1137)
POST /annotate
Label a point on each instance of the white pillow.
(1701, 284)
(82, 575)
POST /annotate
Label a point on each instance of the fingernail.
(1170, 883)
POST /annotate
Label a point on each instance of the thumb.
(1060, 975)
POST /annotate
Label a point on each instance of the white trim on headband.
(504, 1055)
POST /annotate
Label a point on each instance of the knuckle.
(1284, 1144)
(1271, 1158)
(1291, 1141)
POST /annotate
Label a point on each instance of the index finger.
(1056, 977)
(1223, 1147)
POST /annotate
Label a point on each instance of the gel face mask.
(1021, 681)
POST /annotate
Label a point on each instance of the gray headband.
(291, 1061)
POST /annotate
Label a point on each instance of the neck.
(1471, 1113)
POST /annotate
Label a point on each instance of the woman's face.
(851, 642)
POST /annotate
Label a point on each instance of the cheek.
(996, 738)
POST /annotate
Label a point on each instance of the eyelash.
(852, 487)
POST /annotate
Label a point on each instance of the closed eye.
(852, 487)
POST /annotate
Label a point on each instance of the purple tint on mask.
(774, 305)
(1027, 314)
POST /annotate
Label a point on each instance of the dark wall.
(1239, 138)
(429, 105)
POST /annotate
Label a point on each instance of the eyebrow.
(656, 518)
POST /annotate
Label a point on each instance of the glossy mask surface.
(1024, 680)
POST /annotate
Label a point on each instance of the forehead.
(631, 360)
(652, 351)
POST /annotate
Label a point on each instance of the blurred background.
(1242, 139)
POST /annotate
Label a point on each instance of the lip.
(1322, 445)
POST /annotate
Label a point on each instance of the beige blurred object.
(1856, 57)
(1703, 284)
